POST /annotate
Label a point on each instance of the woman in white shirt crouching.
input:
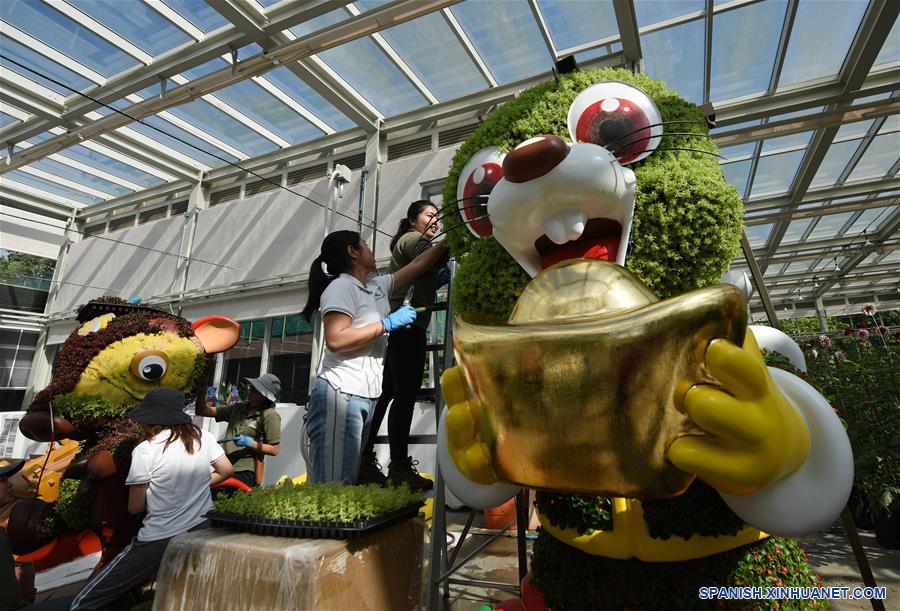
(356, 316)
(170, 477)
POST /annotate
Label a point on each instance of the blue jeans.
(338, 423)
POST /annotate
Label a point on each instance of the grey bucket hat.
(268, 385)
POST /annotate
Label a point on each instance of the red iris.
(617, 123)
(473, 205)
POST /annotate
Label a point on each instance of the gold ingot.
(578, 388)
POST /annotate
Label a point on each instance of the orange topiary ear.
(216, 333)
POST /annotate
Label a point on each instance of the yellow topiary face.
(124, 371)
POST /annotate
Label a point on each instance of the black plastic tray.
(308, 529)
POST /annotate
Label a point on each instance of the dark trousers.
(404, 365)
(134, 566)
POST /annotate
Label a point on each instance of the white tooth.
(573, 221)
(555, 230)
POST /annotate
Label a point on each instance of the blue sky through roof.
(820, 39)
(263, 107)
(42, 65)
(854, 130)
(775, 173)
(795, 230)
(734, 153)
(737, 173)
(136, 22)
(833, 164)
(171, 130)
(829, 226)
(745, 41)
(784, 142)
(506, 36)
(757, 235)
(880, 155)
(291, 84)
(649, 12)
(575, 23)
(58, 31)
(213, 121)
(198, 12)
(890, 52)
(433, 53)
(89, 180)
(869, 221)
(64, 193)
(108, 164)
(6, 120)
(675, 55)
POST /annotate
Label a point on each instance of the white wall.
(30, 233)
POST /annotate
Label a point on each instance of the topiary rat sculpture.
(601, 363)
(104, 368)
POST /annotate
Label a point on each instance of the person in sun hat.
(254, 427)
(170, 480)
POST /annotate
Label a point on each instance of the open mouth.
(599, 240)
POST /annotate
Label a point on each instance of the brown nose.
(534, 158)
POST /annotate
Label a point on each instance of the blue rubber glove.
(443, 276)
(243, 441)
(401, 317)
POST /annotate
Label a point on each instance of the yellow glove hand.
(469, 453)
(754, 435)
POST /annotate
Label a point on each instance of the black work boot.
(370, 470)
(404, 470)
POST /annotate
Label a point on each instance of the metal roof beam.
(30, 203)
(544, 30)
(628, 34)
(172, 62)
(866, 204)
(860, 189)
(464, 40)
(391, 14)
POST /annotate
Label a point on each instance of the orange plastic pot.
(498, 517)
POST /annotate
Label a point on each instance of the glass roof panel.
(880, 155)
(796, 267)
(506, 35)
(739, 151)
(169, 139)
(675, 55)
(6, 120)
(758, 235)
(829, 226)
(810, 54)
(869, 221)
(785, 142)
(891, 124)
(268, 3)
(736, 126)
(649, 12)
(213, 121)
(88, 180)
(808, 112)
(744, 44)
(108, 164)
(42, 65)
(890, 52)
(575, 23)
(203, 69)
(737, 174)
(795, 230)
(448, 73)
(136, 22)
(58, 31)
(291, 84)
(65, 193)
(853, 130)
(775, 173)
(263, 107)
(833, 164)
(199, 13)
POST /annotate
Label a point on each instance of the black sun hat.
(8, 468)
(162, 406)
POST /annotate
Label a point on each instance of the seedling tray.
(303, 529)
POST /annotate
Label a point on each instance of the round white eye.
(476, 181)
(619, 117)
(150, 365)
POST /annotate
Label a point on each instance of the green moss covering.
(571, 579)
(687, 222)
(583, 513)
(72, 508)
(700, 511)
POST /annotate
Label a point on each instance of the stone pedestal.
(219, 569)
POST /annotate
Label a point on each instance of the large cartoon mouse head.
(591, 166)
(118, 353)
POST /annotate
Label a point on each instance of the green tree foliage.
(21, 269)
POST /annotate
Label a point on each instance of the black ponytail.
(336, 259)
(412, 213)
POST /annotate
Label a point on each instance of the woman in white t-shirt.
(170, 477)
(356, 316)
